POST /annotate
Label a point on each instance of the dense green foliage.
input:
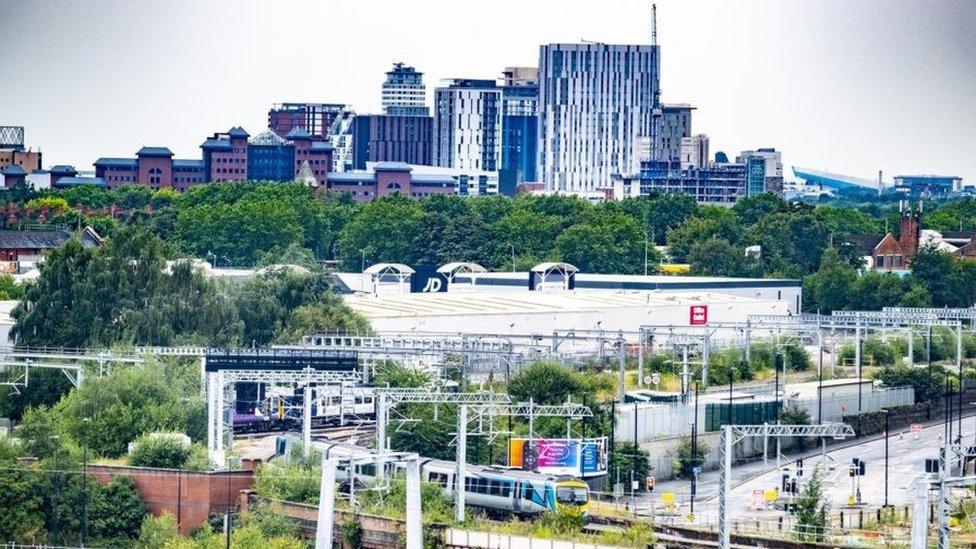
(129, 291)
(41, 502)
(161, 452)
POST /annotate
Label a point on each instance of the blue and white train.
(497, 490)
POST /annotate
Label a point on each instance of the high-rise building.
(694, 151)
(772, 161)
(596, 104)
(675, 125)
(404, 92)
(392, 138)
(468, 125)
(520, 124)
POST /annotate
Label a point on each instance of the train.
(283, 412)
(494, 489)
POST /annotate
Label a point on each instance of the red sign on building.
(698, 315)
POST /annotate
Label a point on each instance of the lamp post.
(84, 482)
(887, 414)
(694, 452)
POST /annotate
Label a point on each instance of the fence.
(661, 421)
(485, 540)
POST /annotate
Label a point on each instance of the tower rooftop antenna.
(653, 24)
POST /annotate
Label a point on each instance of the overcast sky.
(851, 86)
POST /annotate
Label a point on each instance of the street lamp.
(887, 414)
(84, 481)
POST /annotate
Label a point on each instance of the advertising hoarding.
(576, 457)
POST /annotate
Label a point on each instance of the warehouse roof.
(474, 303)
(639, 282)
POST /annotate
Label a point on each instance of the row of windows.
(224, 160)
(490, 487)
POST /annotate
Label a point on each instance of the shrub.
(159, 451)
(687, 460)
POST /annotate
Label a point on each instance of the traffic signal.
(786, 484)
(931, 466)
(799, 467)
(857, 467)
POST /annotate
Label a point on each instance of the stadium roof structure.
(836, 181)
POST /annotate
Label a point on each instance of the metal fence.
(649, 421)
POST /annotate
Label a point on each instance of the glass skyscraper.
(596, 104)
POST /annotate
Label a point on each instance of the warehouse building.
(543, 312)
(472, 278)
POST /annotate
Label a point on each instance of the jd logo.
(433, 285)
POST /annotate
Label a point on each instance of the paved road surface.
(906, 460)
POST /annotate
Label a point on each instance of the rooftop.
(14, 169)
(475, 303)
(298, 133)
(154, 151)
(392, 167)
(75, 181)
(213, 143)
(33, 239)
(238, 132)
(117, 162)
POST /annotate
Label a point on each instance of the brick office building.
(226, 157)
(153, 167)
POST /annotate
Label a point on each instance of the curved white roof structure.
(398, 268)
(552, 266)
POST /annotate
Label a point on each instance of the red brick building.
(889, 252)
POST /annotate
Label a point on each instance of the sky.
(851, 86)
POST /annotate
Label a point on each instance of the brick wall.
(191, 497)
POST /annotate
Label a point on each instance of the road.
(906, 460)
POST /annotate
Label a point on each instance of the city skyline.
(894, 100)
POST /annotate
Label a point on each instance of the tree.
(329, 314)
(829, 288)
(45, 389)
(687, 459)
(607, 243)
(106, 414)
(928, 386)
(791, 242)
(123, 291)
(812, 509)
(873, 290)
(751, 209)
(707, 223)
(717, 257)
(545, 382)
(157, 532)
(934, 270)
(156, 451)
(386, 230)
(627, 457)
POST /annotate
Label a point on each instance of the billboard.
(576, 457)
